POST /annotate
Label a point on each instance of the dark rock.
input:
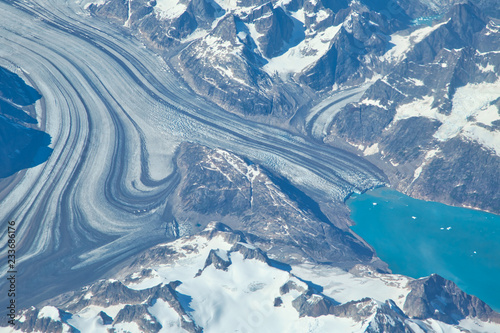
(441, 299)
(115, 10)
(409, 140)
(14, 89)
(106, 320)
(168, 294)
(362, 123)
(32, 323)
(218, 229)
(290, 285)
(357, 310)
(276, 30)
(215, 260)
(106, 293)
(138, 314)
(465, 21)
(250, 252)
(463, 174)
(259, 205)
(387, 317)
(22, 145)
(313, 305)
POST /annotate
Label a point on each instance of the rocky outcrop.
(379, 317)
(106, 320)
(218, 185)
(136, 308)
(139, 315)
(384, 317)
(215, 260)
(221, 260)
(464, 174)
(313, 305)
(46, 319)
(441, 299)
(22, 143)
(276, 28)
(408, 114)
(250, 252)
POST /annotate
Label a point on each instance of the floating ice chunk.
(449, 228)
(374, 203)
(414, 217)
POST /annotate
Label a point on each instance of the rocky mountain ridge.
(437, 113)
(420, 61)
(195, 284)
(424, 103)
(221, 186)
(21, 141)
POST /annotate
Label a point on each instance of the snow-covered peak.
(193, 293)
(169, 9)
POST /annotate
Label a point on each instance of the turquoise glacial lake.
(417, 238)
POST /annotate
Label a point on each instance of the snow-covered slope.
(219, 282)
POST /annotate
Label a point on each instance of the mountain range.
(273, 113)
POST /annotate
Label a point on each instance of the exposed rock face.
(218, 185)
(135, 308)
(106, 320)
(381, 317)
(111, 293)
(250, 252)
(138, 313)
(313, 305)
(421, 117)
(291, 285)
(47, 319)
(238, 82)
(220, 259)
(436, 297)
(215, 260)
(456, 175)
(387, 317)
(242, 39)
(276, 28)
(22, 144)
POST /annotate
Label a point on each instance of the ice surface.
(116, 114)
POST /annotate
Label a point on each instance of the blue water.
(428, 20)
(417, 238)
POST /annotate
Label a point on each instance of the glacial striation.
(180, 287)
